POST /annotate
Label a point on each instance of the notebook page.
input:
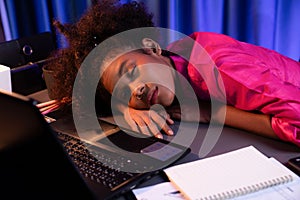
(227, 175)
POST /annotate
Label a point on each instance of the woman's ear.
(151, 47)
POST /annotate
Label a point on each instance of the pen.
(173, 194)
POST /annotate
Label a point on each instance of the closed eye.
(133, 71)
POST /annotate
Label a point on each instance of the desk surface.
(229, 139)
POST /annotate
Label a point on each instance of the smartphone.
(294, 164)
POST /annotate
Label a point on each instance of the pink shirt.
(255, 78)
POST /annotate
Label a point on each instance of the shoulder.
(212, 37)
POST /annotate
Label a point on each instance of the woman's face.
(140, 80)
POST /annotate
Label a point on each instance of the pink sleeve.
(287, 129)
(262, 92)
(255, 79)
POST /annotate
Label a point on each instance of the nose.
(139, 91)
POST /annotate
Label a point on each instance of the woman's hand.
(188, 112)
(149, 122)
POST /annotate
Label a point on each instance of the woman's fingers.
(130, 120)
(145, 124)
(153, 130)
(160, 120)
(149, 122)
(141, 122)
(169, 120)
(174, 112)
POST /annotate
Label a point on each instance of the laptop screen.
(33, 163)
(38, 161)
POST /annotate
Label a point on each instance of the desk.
(230, 139)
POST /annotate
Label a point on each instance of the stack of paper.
(229, 175)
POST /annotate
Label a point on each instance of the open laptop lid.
(33, 163)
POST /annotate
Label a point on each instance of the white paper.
(5, 78)
(241, 171)
(288, 191)
(162, 191)
(166, 191)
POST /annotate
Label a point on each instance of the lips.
(152, 96)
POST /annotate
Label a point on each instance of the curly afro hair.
(101, 21)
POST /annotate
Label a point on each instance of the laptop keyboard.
(96, 164)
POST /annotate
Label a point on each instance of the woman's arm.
(252, 122)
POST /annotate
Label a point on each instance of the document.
(166, 191)
(162, 191)
(231, 175)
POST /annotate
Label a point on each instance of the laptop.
(38, 162)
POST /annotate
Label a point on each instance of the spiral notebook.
(228, 175)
